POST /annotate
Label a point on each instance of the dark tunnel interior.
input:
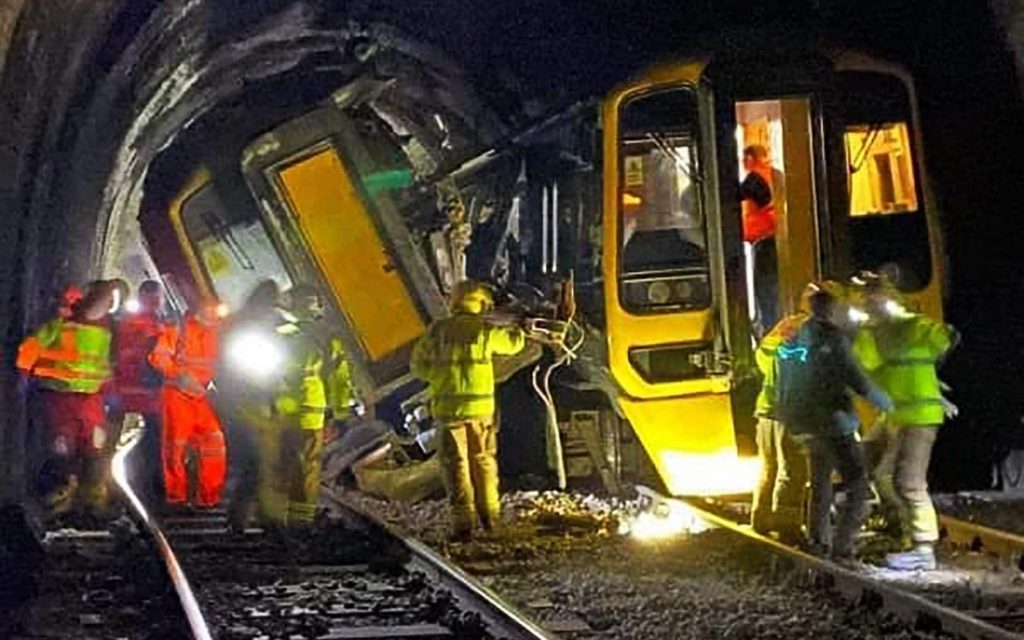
(110, 105)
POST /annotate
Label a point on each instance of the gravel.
(562, 562)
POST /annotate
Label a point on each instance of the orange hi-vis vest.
(67, 356)
(191, 349)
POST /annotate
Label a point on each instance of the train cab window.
(663, 255)
(888, 228)
(234, 254)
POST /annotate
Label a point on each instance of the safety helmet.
(71, 296)
(831, 287)
(472, 297)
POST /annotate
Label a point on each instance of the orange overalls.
(186, 357)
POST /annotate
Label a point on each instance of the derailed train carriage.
(632, 200)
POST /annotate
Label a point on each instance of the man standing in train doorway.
(455, 358)
(759, 213)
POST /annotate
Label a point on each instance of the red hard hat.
(71, 295)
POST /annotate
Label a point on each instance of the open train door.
(323, 192)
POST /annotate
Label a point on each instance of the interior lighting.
(223, 310)
(256, 354)
(132, 306)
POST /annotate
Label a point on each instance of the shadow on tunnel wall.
(94, 89)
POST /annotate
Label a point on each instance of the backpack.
(806, 382)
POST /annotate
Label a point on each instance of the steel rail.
(978, 536)
(908, 606)
(189, 604)
(471, 594)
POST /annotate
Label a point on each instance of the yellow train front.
(634, 198)
(683, 302)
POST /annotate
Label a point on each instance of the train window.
(235, 256)
(888, 228)
(663, 255)
(880, 171)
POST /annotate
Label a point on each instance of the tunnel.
(110, 108)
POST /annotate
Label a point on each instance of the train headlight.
(659, 292)
(256, 354)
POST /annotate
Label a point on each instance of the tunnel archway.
(97, 91)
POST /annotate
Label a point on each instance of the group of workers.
(269, 375)
(846, 341)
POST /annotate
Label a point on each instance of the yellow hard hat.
(833, 288)
(472, 297)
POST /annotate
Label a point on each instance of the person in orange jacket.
(68, 358)
(186, 356)
(136, 382)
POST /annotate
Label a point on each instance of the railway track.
(916, 610)
(347, 578)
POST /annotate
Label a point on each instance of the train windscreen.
(235, 255)
(888, 229)
(663, 252)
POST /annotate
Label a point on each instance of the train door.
(777, 168)
(321, 189)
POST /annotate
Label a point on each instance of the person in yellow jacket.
(69, 359)
(291, 443)
(455, 358)
(901, 350)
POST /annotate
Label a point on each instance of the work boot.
(920, 558)
(461, 536)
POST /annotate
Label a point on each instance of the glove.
(880, 400)
(950, 409)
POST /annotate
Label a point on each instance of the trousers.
(842, 454)
(779, 496)
(189, 421)
(901, 478)
(75, 472)
(289, 474)
(468, 450)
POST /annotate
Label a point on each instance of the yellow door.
(344, 241)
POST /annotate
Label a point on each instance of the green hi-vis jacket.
(765, 359)
(68, 356)
(900, 355)
(341, 393)
(301, 396)
(455, 357)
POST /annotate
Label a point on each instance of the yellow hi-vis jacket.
(301, 396)
(67, 356)
(900, 355)
(455, 357)
(341, 393)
